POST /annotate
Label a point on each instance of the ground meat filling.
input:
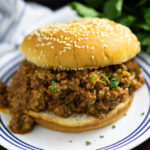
(93, 92)
(3, 96)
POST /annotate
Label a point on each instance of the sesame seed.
(105, 45)
(47, 44)
(52, 47)
(64, 51)
(61, 36)
(37, 45)
(42, 44)
(68, 44)
(40, 39)
(46, 38)
(92, 47)
(29, 38)
(93, 57)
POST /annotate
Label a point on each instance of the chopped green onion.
(88, 143)
(142, 114)
(93, 79)
(113, 127)
(114, 83)
(53, 89)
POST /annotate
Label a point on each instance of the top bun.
(83, 43)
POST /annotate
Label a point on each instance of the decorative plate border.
(12, 139)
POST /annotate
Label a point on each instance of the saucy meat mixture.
(93, 92)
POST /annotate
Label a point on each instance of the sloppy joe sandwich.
(77, 76)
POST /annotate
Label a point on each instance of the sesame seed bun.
(79, 123)
(83, 43)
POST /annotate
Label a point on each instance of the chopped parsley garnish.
(110, 75)
(122, 71)
(131, 82)
(142, 114)
(114, 83)
(101, 136)
(88, 143)
(69, 107)
(104, 79)
(93, 79)
(53, 81)
(53, 89)
(113, 127)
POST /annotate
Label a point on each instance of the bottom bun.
(79, 123)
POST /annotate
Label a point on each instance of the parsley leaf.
(88, 143)
(93, 79)
(113, 127)
(53, 89)
(113, 8)
(114, 83)
(101, 136)
(131, 82)
(142, 114)
(110, 75)
(136, 17)
(84, 11)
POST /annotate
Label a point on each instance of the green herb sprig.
(136, 17)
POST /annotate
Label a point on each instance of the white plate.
(131, 130)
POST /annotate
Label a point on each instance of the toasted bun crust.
(83, 43)
(78, 123)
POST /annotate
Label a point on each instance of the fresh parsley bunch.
(132, 13)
